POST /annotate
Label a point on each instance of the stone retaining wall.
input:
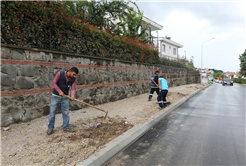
(27, 75)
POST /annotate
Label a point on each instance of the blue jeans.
(54, 103)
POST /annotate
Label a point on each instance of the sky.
(191, 23)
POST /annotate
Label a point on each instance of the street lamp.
(201, 56)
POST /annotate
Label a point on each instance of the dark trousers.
(152, 91)
(162, 96)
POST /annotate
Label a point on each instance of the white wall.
(168, 52)
(204, 74)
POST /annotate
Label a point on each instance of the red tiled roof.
(232, 73)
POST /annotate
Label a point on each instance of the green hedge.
(45, 24)
(239, 80)
(167, 62)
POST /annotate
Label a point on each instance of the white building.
(153, 26)
(210, 73)
(204, 73)
(168, 48)
(164, 45)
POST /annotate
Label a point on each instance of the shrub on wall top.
(46, 24)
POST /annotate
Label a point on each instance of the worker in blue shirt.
(163, 86)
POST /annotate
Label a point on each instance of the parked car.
(217, 81)
(227, 81)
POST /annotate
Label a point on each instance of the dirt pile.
(63, 148)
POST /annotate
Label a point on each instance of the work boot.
(50, 131)
(68, 130)
(165, 104)
(149, 100)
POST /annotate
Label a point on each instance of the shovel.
(89, 105)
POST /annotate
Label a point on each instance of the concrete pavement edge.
(124, 140)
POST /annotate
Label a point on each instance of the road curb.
(124, 140)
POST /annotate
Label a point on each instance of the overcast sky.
(191, 23)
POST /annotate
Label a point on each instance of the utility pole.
(201, 55)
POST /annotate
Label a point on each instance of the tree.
(242, 59)
(132, 23)
(116, 16)
(191, 64)
(216, 75)
(183, 60)
(216, 71)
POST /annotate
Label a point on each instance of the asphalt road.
(209, 129)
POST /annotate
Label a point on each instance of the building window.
(163, 48)
(174, 51)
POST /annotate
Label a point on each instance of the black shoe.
(50, 131)
(149, 100)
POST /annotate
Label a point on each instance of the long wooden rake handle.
(88, 105)
(154, 82)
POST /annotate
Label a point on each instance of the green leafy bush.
(46, 24)
(239, 80)
(243, 81)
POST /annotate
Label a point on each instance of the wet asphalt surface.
(209, 129)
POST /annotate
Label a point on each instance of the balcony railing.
(170, 57)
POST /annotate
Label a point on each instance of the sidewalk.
(28, 143)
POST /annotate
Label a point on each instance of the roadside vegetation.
(118, 16)
(47, 24)
(188, 63)
(242, 71)
(242, 59)
(218, 74)
(239, 80)
(111, 29)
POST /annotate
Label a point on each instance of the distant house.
(210, 73)
(236, 75)
(204, 73)
(168, 48)
(164, 45)
(231, 74)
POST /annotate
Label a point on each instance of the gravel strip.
(28, 143)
